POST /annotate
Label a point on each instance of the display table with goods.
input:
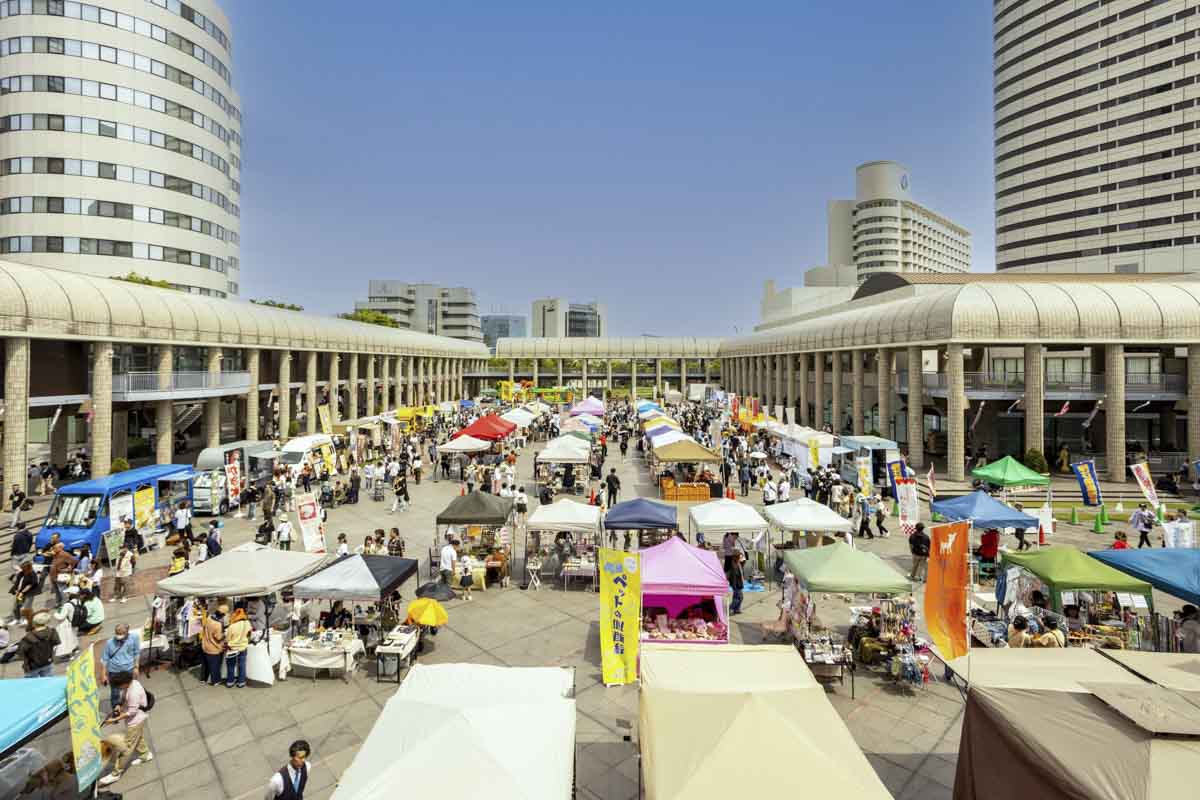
(398, 648)
(331, 650)
(828, 657)
(561, 539)
(1173, 570)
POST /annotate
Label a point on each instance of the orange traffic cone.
(592, 499)
(462, 489)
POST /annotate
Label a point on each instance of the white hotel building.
(120, 140)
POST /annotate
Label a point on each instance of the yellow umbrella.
(428, 612)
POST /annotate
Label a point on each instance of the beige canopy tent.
(700, 704)
(686, 450)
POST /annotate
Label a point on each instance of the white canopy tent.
(519, 417)
(464, 444)
(565, 515)
(804, 514)
(537, 407)
(506, 733)
(590, 419)
(720, 516)
(566, 450)
(667, 437)
(242, 573)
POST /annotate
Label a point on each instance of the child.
(465, 579)
(179, 561)
(126, 562)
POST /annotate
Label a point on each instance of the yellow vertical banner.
(326, 420)
(83, 710)
(143, 507)
(620, 615)
(814, 452)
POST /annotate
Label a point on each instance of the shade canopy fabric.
(574, 424)
(1175, 571)
(590, 419)
(565, 515)
(984, 510)
(464, 444)
(804, 514)
(686, 450)
(652, 432)
(30, 705)
(581, 435)
(566, 450)
(676, 567)
(537, 407)
(841, 568)
(1065, 569)
(589, 405)
(242, 573)
(1177, 671)
(654, 422)
(519, 417)
(719, 516)
(698, 704)
(640, 513)
(1059, 669)
(476, 508)
(668, 436)
(366, 578)
(506, 733)
(1010, 472)
(489, 427)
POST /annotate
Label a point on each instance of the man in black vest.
(289, 782)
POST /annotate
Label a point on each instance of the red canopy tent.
(489, 427)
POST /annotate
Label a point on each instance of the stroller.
(264, 534)
(377, 491)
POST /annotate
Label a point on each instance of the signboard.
(1181, 533)
(326, 419)
(1089, 482)
(143, 508)
(620, 615)
(327, 457)
(946, 588)
(312, 532)
(863, 467)
(113, 539)
(120, 507)
(1142, 473)
(83, 711)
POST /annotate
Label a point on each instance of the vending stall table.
(576, 530)
(683, 594)
(482, 522)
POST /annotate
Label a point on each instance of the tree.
(135, 277)
(1036, 461)
(278, 304)
(371, 317)
(118, 465)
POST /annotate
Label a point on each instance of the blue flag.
(1089, 483)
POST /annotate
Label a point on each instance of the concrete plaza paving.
(212, 742)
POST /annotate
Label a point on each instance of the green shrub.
(1036, 461)
(294, 428)
(118, 465)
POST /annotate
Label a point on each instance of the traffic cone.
(1104, 520)
(1161, 513)
(1097, 525)
(1074, 515)
(462, 490)
(1041, 536)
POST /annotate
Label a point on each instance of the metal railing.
(1081, 383)
(147, 382)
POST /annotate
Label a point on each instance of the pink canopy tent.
(589, 405)
(676, 575)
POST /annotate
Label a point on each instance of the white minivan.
(307, 450)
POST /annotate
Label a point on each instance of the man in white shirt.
(784, 489)
(295, 772)
(283, 533)
(448, 559)
(768, 493)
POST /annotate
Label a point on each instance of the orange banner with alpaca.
(946, 587)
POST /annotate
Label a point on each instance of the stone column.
(284, 389)
(856, 392)
(819, 390)
(16, 409)
(102, 421)
(956, 401)
(352, 387)
(410, 365)
(835, 393)
(212, 406)
(561, 380)
(789, 377)
(253, 413)
(706, 368)
(803, 378)
(1114, 410)
(683, 377)
(370, 412)
(334, 379)
(883, 366)
(780, 397)
(658, 379)
(608, 383)
(385, 378)
(512, 371)
(633, 381)
(583, 363)
(536, 369)
(120, 433)
(916, 410)
(310, 392)
(164, 410)
(765, 382)
(1035, 395)
(1193, 396)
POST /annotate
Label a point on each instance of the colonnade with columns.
(598, 373)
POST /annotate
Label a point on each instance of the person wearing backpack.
(37, 647)
(133, 708)
(120, 655)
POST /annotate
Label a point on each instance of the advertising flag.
(620, 615)
(814, 452)
(233, 482)
(1089, 483)
(733, 406)
(326, 419)
(910, 505)
(83, 711)
(1066, 406)
(929, 482)
(143, 507)
(1181, 533)
(863, 464)
(946, 588)
(311, 529)
(1142, 473)
(895, 471)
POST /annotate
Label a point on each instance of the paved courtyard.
(216, 743)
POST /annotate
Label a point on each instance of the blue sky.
(663, 159)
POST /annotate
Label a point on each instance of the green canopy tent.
(1010, 472)
(1065, 569)
(840, 568)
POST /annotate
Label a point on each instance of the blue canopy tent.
(1175, 571)
(466, 403)
(984, 511)
(640, 514)
(31, 705)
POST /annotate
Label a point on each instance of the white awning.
(719, 516)
(464, 444)
(565, 515)
(806, 515)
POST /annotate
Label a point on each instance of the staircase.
(187, 415)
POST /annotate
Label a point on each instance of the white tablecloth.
(341, 657)
(261, 660)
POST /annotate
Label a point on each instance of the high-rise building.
(503, 326)
(1094, 116)
(884, 230)
(121, 140)
(555, 318)
(427, 308)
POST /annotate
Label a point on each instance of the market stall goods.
(1065, 569)
(683, 590)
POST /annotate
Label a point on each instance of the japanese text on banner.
(311, 529)
(910, 505)
(863, 464)
(620, 615)
(83, 711)
(1089, 483)
(1142, 473)
(946, 587)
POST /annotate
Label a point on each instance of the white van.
(306, 450)
(255, 461)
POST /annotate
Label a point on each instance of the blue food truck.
(82, 513)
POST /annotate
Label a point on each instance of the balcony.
(986, 385)
(139, 386)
